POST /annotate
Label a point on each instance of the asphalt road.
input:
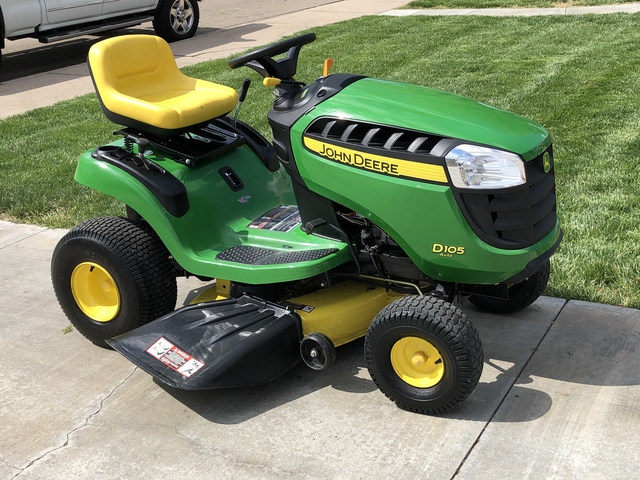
(25, 57)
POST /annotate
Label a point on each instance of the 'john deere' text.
(358, 160)
(371, 162)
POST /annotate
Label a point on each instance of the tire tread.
(448, 323)
(142, 253)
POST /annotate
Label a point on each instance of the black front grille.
(517, 217)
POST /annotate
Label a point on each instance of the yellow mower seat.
(139, 85)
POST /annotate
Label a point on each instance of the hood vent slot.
(373, 136)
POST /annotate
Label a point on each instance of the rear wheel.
(521, 295)
(176, 19)
(424, 354)
(110, 276)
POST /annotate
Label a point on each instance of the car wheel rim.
(181, 16)
(417, 362)
(95, 292)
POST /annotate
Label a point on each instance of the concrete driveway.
(558, 399)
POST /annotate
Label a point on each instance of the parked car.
(53, 20)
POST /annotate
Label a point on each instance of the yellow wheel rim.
(95, 292)
(417, 362)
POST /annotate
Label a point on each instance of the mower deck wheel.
(111, 276)
(424, 354)
(317, 351)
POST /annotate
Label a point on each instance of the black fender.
(167, 189)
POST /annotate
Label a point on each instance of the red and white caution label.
(174, 358)
(280, 219)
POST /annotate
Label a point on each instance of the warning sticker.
(174, 358)
(280, 219)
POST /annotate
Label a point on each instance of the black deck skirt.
(229, 343)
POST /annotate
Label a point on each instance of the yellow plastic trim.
(219, 291)
(137, 77)
(95, 292)
(417, 362)
(342, 312)
(271, 82)
(377, 163)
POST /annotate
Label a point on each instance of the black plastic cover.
(167, 189)
(231, 343)
(255, 141)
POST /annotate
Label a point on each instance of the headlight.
(472, 166)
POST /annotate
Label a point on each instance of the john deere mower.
(376, 205)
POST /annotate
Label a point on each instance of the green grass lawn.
(509, 3)
(578, 76)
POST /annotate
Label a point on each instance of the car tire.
(176, 19)
(111, 276)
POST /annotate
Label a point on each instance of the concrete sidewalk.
(559, 396)
(558, 399)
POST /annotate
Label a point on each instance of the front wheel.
(110, 276)
(521, 295)
(176, 19)
(424, 354)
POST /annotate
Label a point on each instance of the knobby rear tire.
(137, 261)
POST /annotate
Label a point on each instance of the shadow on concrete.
(517, 348)
(587, 344)
(349, 374)
(238, 405)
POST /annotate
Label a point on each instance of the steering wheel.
(261, 61)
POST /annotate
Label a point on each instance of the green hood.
(436, 112)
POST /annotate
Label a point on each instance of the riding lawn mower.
(376, 206)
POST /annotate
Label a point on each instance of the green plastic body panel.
(419, 215)
(436, 112)
(218, 217)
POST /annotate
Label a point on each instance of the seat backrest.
(132, 65)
